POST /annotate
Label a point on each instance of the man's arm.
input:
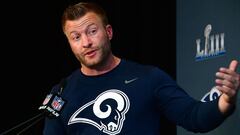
(228, 83)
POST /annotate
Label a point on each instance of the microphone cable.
(37, 118)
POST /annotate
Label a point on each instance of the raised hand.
(228, 83)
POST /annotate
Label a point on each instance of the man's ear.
(109, 31)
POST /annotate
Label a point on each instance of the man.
(110, 95)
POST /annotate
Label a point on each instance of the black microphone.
(51, 107)
(54, 103)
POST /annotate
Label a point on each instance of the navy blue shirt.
(131, 99)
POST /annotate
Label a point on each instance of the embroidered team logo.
(213, 94)
(109, 110)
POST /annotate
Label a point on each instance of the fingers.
(233, 65)
(228, 81)
(231, 69)
(228, 91)
(227, 70)
(229, 75)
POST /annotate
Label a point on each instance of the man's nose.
(86, 41)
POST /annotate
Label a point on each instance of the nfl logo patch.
(46, 100)
(57, 103)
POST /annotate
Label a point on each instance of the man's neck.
(110, 64)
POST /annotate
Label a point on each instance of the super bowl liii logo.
(214, 45)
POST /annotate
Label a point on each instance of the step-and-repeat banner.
(208, 37)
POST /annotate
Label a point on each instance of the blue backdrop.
(208, 37)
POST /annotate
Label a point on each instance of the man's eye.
(76, 37)
(92, 32)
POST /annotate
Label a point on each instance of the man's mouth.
(90, 53)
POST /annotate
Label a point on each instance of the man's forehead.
(83, 22)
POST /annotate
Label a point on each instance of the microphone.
(51, 107)
(53, 103)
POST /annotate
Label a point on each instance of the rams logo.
(108, 110)
(214, 93)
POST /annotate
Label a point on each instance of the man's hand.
(228, 83)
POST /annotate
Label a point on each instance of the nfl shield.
(57, 103)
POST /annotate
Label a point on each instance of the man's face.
(89, 40)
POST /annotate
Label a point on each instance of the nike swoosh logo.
(129, 81)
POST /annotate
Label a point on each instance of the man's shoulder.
(137, 64)
(142, 67)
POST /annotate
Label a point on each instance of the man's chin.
(92, 64)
